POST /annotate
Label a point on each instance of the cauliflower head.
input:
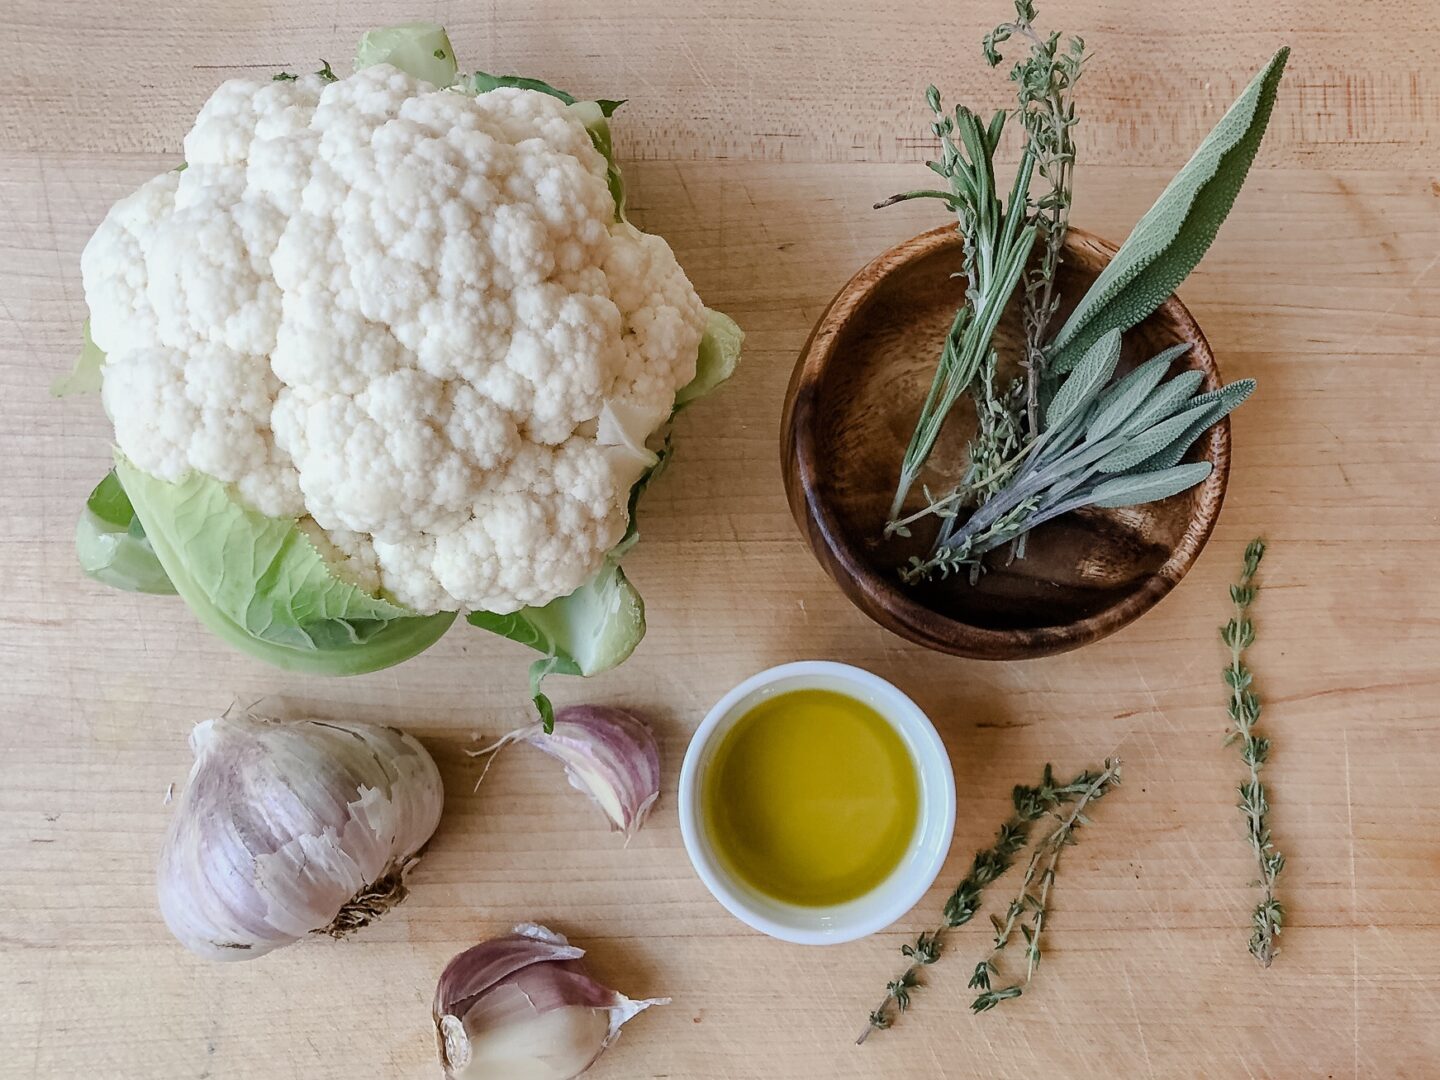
(409, 318)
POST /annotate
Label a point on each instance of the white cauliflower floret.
(206, 409)
(113, 267)
(521, 542)
(404, 316)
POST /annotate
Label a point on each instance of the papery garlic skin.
(522, 1007)
(288, 828)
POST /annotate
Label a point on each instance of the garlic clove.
(532, 1045)
(286, 829)
(522, 1007)
(607, 753)
(478, 969)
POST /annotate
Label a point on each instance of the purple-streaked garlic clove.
(523, 1007)
(608, 754)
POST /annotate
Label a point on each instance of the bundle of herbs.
(1073, 432)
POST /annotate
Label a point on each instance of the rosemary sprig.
(1028, 910)
(1031, 804)
(1043, 84)
(997, 243)
(1238, 635)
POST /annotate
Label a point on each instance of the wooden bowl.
(849, 412)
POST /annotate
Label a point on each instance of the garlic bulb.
(289, 828)
(522, 1007)
(608, 754)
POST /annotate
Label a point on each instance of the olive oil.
(811, 798)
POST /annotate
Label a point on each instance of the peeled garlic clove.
(608, 754)
(522, 1007)
(291, 828)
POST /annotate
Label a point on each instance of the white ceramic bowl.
(917, 869)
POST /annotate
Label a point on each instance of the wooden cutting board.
(756, 137)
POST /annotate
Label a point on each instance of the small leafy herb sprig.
(1238, 635)
(1000, 436)
(1043, 82)
(996, 254)
(1030, 805)
(1029, 908)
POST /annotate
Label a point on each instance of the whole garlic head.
(287, 828)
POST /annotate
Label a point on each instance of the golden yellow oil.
(811, 798)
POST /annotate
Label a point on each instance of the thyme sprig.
(1001, 434)
(1027, 911)
(994, 453)
(1238, 635)
(1043, 82)
(1030, 805)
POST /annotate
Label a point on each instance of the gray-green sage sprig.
(1106, 443)
(1238, 635)
(1043, 82)
(1030, 805)
(1027, 911)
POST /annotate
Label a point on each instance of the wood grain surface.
(757, 136)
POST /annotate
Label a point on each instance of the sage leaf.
(1167, 399)
(1054, 442)
(1152, 440)
(1175, 233)
(1127, 395)
(1231, 397)
(1221, 403)
(1086, 381)
(1150, 487)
